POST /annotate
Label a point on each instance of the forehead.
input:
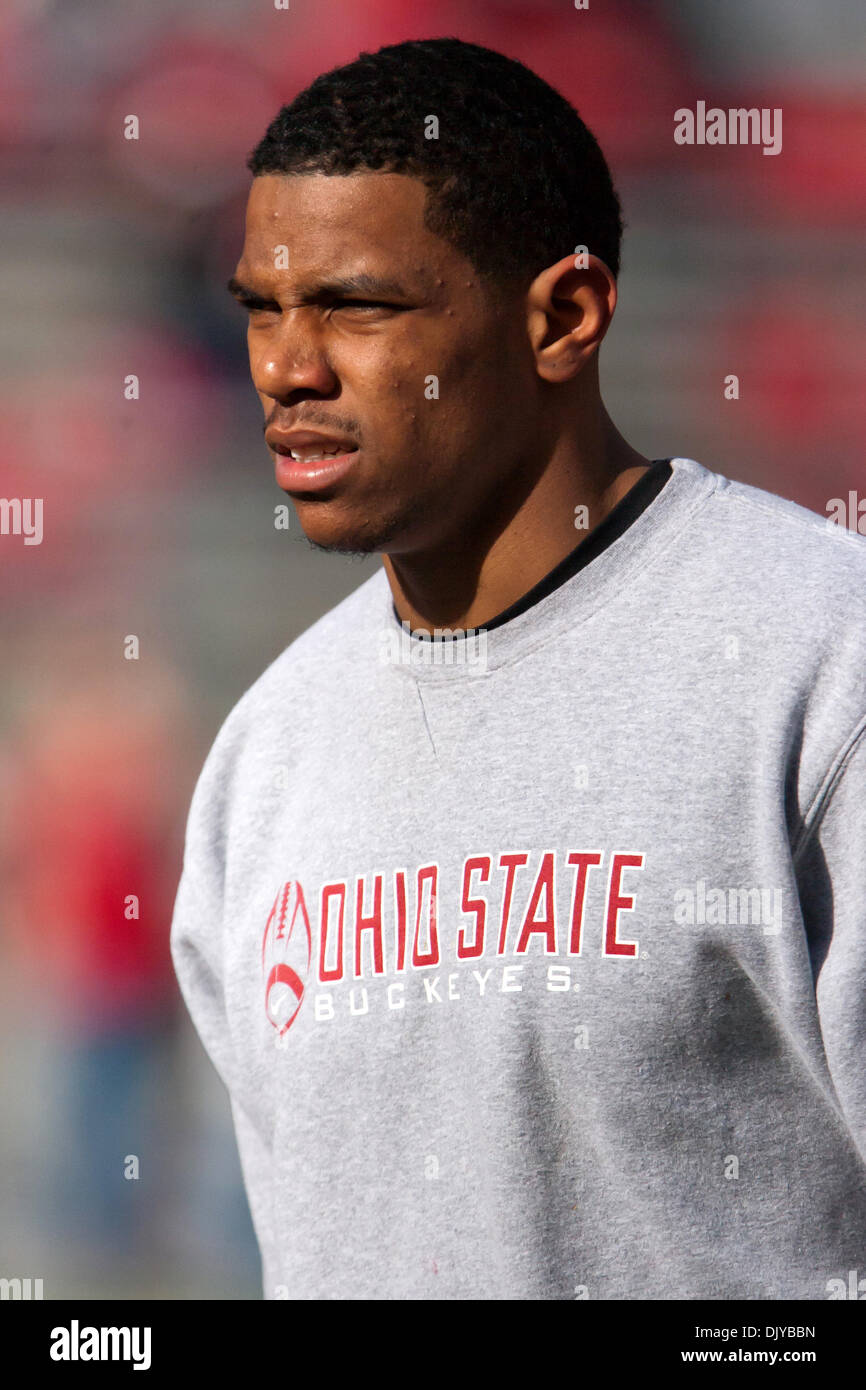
(328, 222)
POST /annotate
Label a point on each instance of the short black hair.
(515, 179)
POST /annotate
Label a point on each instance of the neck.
(474, 575)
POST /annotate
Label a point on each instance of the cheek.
(442, 374)
(474, 366)
(472, 389)
(438, 398)
(393, 388)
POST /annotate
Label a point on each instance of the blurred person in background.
(90, 820)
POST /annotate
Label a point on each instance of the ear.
(569, 309)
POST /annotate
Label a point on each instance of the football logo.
(286, 952)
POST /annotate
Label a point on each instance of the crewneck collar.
(476, 653)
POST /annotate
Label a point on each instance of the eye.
(366, 304)
(259, 306)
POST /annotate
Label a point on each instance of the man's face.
(375, 338)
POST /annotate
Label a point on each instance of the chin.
(344, 545)
(341, 534)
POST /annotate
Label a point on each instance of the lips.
(305, 446)
(309, 460)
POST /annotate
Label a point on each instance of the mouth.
(307, 462)
(304, 471)
(313, 455)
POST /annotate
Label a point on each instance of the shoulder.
(792, 533)
(790, 584)
(775, 559)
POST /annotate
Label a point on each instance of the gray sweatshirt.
(533, 959)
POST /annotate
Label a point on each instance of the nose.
(291, 358)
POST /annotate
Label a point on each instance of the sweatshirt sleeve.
(830, 865)
(197, 949)
(197, 927)
(257, 1169)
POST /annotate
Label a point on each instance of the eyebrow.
(327, 289)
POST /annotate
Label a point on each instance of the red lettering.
(547, 924)
(430, 873)
(511, 863)
(372, 924)
(400, 908)
(616, 903)
(329, 891)
(582, 861)
(481, 864)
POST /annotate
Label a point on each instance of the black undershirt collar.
(618, 520)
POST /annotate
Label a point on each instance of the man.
(524, 895)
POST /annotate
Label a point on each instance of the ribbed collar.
(476, 653)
